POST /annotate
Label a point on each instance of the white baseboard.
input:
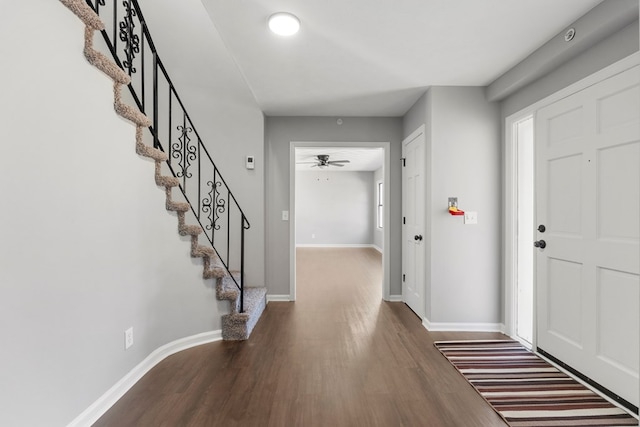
(108, 399)
(461, 327)
(336, 245)
(395, 298)
(377, 248)
(278, 298)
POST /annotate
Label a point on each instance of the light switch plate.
(470, 217)
(285, 215)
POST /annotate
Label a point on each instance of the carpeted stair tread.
(161, 180)
(177, 206)
(227, 289)
(167, 181)
(103, 62)
(82, 10)
(238, 326)
(203, 251)
(150, 152)
(214, 273)
(189, 230)
(131, 114)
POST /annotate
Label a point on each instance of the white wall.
(378, 233)
(279, 132)
(334, 208)
(88, 249)
(462, 160)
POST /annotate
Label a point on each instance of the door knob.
(542, 228)
(417, 237)
(540, 244)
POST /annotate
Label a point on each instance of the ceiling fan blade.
(340, 161)
(340, 165)
(306, 163)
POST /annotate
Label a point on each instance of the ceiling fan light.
(284, 23)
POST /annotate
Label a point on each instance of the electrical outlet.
(128, 338)
(313, 236)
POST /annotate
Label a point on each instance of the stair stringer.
(235, 325)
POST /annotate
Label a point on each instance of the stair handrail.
(130, 28)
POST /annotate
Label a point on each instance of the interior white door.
(413, 203)
(588, 199)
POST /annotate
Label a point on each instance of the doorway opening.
(336, 222)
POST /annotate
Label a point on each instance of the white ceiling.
(375, 58)
(361, 159)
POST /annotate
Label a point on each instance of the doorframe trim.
(510, 184)
(386, 253)
(511, 225)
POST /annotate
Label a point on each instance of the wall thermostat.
(251, 164)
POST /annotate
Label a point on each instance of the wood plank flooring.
(338, 356)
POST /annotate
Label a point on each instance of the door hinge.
(404, 161)
(403, 277)
(404, 220)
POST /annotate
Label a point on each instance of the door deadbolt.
(417, 237)
(542, 228)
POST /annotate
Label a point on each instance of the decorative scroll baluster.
(130, 39)
(199, 211)
(214, 205)
(221, 206)
(184, 152)
(207, 206)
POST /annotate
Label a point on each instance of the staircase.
(182, 162)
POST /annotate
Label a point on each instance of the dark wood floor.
(338, 356)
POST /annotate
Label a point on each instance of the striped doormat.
(526, 390)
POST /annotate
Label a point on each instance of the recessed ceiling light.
(284, 24)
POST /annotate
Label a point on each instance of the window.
(380, 199)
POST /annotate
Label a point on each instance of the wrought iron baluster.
(212, 214)
(156, 142)
(115, 27)
(199, 180)
(228, 233)
(129, 38)
(143, 76)
(170, 121)
(184, 152)
(221, 205)
(242, 228)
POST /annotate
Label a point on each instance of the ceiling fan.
(323, 162)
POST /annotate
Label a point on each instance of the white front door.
(413, 207)
(588, 200)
